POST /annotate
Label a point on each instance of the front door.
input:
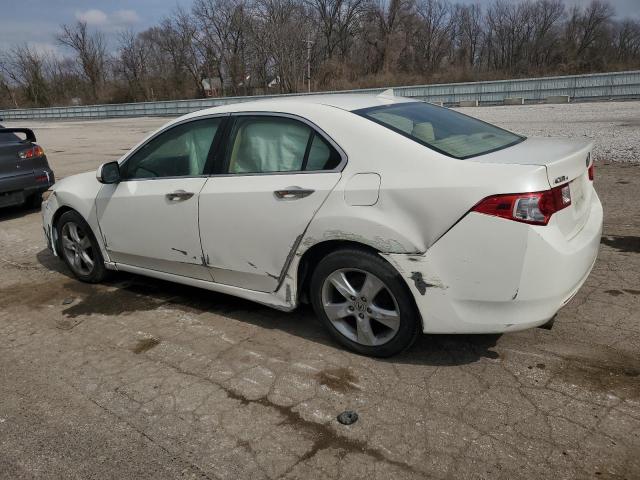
(150, 218)
(276, 174)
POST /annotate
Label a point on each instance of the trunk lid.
(9, 156)
(566, 161)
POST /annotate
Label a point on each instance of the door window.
(264, 144)
(181, 151)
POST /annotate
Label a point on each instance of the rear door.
(275, 174)
(150, 218)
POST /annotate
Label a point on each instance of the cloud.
(108, 21)
(92, 17)
(126, 17)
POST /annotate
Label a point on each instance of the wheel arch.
(312, 256)
(94, 228)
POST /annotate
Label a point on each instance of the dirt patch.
(598, 369)
(145, 345)
(126, 299)
(338, 379)
(614, 293)
(627, 244)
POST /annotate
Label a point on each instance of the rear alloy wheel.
(364, 302)
(79, 248)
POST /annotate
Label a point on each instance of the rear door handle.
(179, 195)
(292, 193)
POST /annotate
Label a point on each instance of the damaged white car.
(391, 216)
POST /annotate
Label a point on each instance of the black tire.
(97, 272)
(361, 262)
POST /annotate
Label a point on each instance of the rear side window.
(441, 129)
(266, 144)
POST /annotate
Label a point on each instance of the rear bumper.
(490, 275)
(16, 189)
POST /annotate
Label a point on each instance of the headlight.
(46, 195)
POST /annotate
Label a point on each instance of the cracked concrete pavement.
(139, 378)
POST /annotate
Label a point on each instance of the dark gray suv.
(24, 170)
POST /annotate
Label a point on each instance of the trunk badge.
(560, 179)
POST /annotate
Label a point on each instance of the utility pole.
(309, 42)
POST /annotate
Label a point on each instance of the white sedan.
(390, 216)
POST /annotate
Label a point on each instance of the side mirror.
(108, 173)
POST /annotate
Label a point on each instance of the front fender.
(78, 193)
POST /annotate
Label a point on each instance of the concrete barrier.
(468, 103)
(558, 99)
(514, 101)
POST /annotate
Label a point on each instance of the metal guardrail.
(618, 85)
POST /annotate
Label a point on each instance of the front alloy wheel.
(77, 248)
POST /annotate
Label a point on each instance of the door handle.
(292, 193)
(179, 195)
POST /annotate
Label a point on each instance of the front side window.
(181, 151)
(266, 144)
(442, 129)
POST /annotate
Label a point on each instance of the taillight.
(591, 172)
(33, 152)
(534, 208)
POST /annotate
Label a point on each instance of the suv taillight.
(33, 152)
(534, 208)
(591, 171)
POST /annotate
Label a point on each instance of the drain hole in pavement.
(348, 417)
(145, 344)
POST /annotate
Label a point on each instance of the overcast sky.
(37, 21)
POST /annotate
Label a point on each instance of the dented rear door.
(277, 173)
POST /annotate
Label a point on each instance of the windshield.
(441, 129)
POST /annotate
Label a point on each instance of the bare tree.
(25, 67)
(469, 32)
(339, 22)
(90, 51)
(225, 22)
(433, 34)
(259, 46)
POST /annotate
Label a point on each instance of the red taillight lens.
(33, 152)
(591, 172)
(534, 208)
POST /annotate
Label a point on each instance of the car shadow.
(17, 211)
(130, 293)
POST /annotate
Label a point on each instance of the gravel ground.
(138, 378)
(613, 126)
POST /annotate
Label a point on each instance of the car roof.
(347, 102)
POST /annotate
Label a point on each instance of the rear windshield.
(8, 137)
(442, 129)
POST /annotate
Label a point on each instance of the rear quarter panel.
(422, 192)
